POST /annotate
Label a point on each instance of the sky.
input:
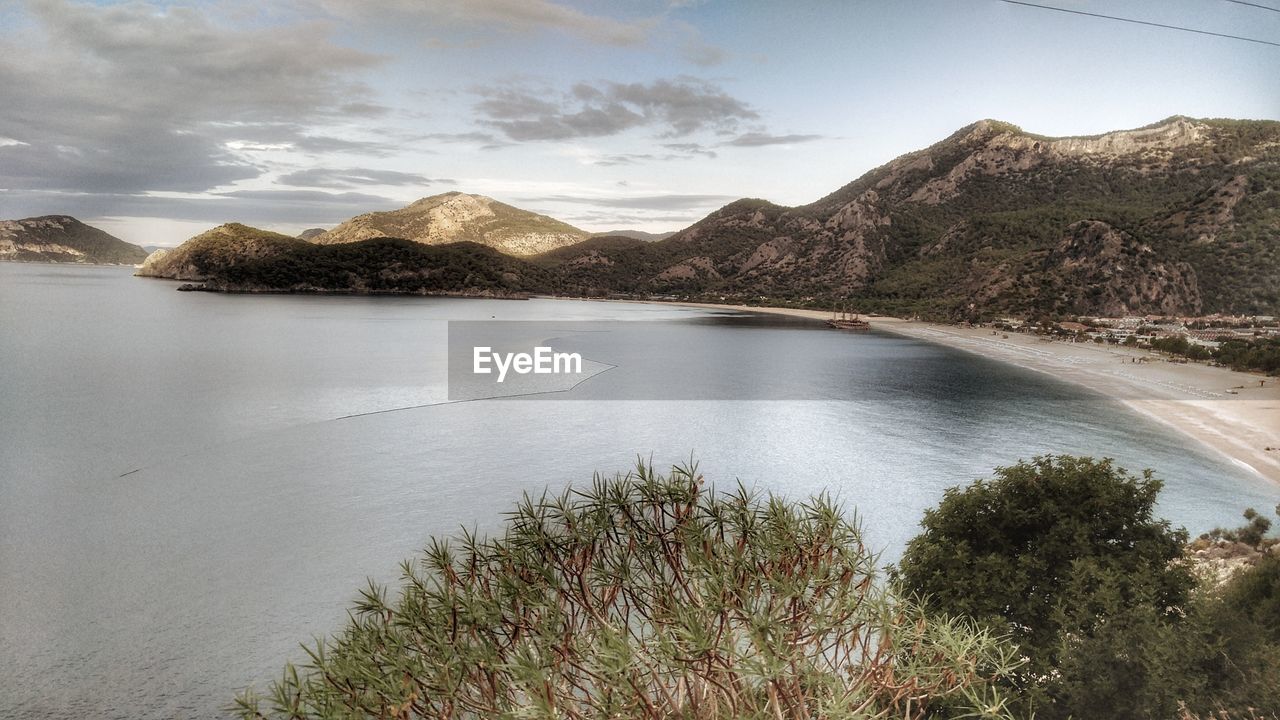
(156, 120)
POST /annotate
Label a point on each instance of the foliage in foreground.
(648, 597)
(1048, 546)
(1066, 553)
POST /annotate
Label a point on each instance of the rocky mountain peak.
(460, 217)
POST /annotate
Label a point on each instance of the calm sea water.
(180, 505)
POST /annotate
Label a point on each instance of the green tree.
(1218, 658)
(1252, 533)
(647, 596)
(1233, 644)
(1051, 549)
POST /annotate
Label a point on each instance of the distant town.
(1209, 331)
(1240, 342)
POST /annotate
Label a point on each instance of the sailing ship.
(842, 319)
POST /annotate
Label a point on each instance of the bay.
(192, 484)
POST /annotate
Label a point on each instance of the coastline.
(1191, 398)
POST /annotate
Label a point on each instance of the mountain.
(635, 235)
(215, 251)
(1179, 217)
(311, 233)
(1182, 216)
(61, 238)
(456, 217)
(239, 258)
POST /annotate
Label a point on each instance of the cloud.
(355, 177)
(133, 97)
(322, 144)
(542, 14)
(760, 139)
(694, 48)
(481, 138)
(641, 202)
(470, 23)
(702, 54)
(615, 220)
(677, 107)
(684, 151)
(624, 159)
(260, 207)
(511, 15)
(690, 149)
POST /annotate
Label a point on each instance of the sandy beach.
(1237, 414)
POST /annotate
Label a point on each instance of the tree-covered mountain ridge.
(1179, 217)
(238, 258)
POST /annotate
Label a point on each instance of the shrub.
(1054, 549)
(648, 596)
(1252, 533)
(1066, 552)
(1032, 547)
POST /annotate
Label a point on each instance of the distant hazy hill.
(1181, 216)
(455, 217)
(635, 235)
(239, 258)
(61, 238)
(311, 233)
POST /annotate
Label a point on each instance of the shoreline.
(1224, 410)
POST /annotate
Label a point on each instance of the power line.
(1261, 7)
(1143, 22)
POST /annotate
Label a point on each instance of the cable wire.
(1142, 22)
(1256, 5)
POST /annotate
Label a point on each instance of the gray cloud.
(295, 136)
(625, 159)
(702, 54)
(621, 220)
(355, 177)
(130, 97)
(676, 107)
(690, 149)
(684, 151)
(320, 144)
(542, 14)
(482, 138)
(695, 49)
(642, 202)
(512, 15)
(760, 139)
(303, 207)
(463, 24)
